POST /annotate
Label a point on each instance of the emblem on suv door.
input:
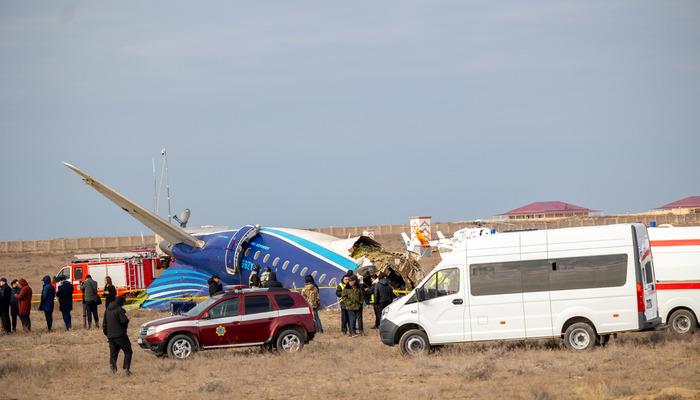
(220, 330)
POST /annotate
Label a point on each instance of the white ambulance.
(676, 253)
(581, 284)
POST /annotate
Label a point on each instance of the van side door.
(442, 306)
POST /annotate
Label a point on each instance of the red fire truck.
(130, 271)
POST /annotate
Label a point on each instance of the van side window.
(442, 283)
(256, 304)
(78, 274)
(227, 308)
(608, 270)
(495, 278)
(535, 274)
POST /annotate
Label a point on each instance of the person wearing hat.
(312, 296)
(65, 301)
(215, 285)
(114, 325)
(352, 297)
(254, 279)
(5, 300)
(14, 304)
(48, 295)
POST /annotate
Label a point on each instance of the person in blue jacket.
(65, 301)
(48, 294)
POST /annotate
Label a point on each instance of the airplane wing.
(169, 232)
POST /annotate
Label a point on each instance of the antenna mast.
(167, 183)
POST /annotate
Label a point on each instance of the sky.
(316, 113)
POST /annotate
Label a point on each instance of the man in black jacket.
(114, 326)
(215, 285)
(65, 301)
(383, 295)
(14, 304)
(5, 299)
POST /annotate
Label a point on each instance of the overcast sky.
(301, 114)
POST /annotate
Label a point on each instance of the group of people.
(16, 301)
(355, 293)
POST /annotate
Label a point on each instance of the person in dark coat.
(344, 320)
(383, 295)
(5, 300)
(254, 279)
(272, 281)
(14, 304)
(215, 285)
(109, 292)
(65, 301)
(24, 300)
(91, 299)
(48, 295)
(114, 325)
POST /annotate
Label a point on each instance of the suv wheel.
(181, 346)
(290, 341)
(414, 342)
(682, 322)
(580, 336)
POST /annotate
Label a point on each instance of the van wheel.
(290, 341)
(181, 347)
(682, 322)
(580, 336)
(414, 342)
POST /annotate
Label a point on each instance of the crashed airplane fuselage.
(232, 254)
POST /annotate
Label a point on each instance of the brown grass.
(75, 365)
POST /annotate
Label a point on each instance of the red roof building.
(689, 205)
(547, 209)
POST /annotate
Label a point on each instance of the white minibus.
(676, 253)
(581, 284)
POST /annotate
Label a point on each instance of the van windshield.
(196, 310)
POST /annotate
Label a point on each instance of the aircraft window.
(333, 282)
(267, 257)
(322, 278)
(275, 261)
(295, 268)
(247, 252)
(257, 255)
(314, 274)
(303, 271)
(285, 265)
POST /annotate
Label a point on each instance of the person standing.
(5, 300)
(65, 301)
(343, 311)
(48, 295)
(14, 304)
(109, 292)
(114, 326)
(352, 297)
(265, 277)
(24, 300)
(254, 279)
(215, 285)
(272, 281)
(383, 296)
(312, 296)
(91, 299)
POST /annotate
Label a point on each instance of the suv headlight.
(151, 331)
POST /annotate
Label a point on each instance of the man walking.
(48, 295)
(114, 326)
(65, 301)
(5, 300)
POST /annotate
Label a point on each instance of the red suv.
(249, 317)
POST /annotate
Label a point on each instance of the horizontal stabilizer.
(158, 225)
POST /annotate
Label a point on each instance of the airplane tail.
(158, 225)
(441, 236)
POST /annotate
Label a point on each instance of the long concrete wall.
(119, 242)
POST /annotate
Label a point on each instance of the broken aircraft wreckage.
(232, 254)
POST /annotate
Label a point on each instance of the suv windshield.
(201, 306)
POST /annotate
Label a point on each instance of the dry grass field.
(75, 365)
